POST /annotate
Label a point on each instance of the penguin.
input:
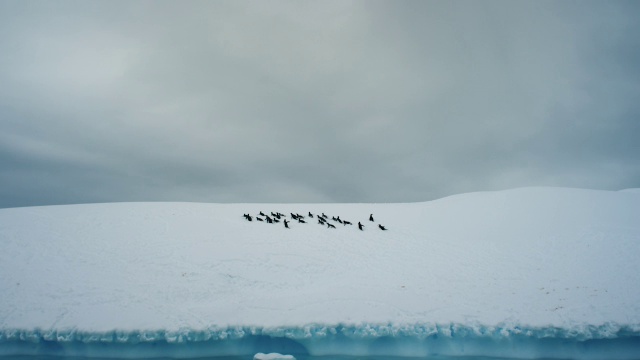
(345, 222)
(293, 216)
(382, 227)
(360, 226)
(259, 219)
(261, 213)
(301, 221)
(310, 214)
(286, 224)
(330, 226)
(371, 217)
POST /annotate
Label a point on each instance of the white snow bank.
(540, 260)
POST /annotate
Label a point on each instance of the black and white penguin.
(382, 227)
(360, 226)
(371, 217)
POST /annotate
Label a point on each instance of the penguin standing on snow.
(286, 223)
(360, 226)
(371, 217)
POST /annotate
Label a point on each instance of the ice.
(533, 272)
(273, 356)
(419, 340)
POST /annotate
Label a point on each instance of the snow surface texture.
(533, 272)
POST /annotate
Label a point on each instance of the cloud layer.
(332, 101)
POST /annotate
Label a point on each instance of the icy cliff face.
(588, 342)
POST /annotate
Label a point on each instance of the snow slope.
(492, 273)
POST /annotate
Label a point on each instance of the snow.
(632, 190)
(504, 273)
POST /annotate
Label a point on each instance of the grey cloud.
(314, 101)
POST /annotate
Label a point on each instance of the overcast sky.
(314, 101)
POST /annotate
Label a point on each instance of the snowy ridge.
(585, 342)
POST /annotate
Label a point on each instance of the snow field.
(533, 258)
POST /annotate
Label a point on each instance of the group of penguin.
(322, 219)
